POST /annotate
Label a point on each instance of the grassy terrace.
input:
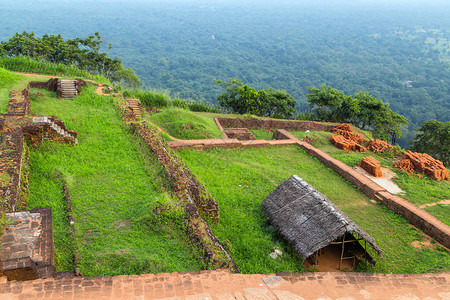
(186, 125)
(114, 190)
(417, 190)
(241, 179)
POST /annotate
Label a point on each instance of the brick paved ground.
(224, 285)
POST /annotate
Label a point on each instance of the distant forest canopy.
(398, 51)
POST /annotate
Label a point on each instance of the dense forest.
(399, 52)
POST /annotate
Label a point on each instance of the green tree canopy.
(243, 99)
(82, 52)
(362, 110)
(434, 138)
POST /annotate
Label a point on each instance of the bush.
(181, 103)
(153, 99)
(200, 106)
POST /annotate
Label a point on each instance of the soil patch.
(386, 181)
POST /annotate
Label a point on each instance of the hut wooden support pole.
(342, 251)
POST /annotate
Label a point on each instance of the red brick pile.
(345, 144)
(346, 131)
(423, 163)
(372, 166)
(347, 140)
(377, 146)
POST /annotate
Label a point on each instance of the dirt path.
(443, 202)
(162, 130)
(37, 75)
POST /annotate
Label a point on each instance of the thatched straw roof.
(307, 219)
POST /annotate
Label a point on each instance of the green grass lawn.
(114, 190)
(262, 134)
(9, 81)
(417, 190)
(241, 179)
(186, 125)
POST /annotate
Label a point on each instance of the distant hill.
(399, 53)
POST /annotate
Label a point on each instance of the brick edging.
(415, 215)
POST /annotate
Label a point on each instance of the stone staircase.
(57, 128)
(136, 107)
(68, 89)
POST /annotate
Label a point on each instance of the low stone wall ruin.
(242, 134)
(274, 124)
(194, 197)
(27, 250)
(417, 216)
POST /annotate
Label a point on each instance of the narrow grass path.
(114, 192)
(241, 179)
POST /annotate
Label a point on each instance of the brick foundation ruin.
(27, 251)
(372, 166)
(242, 134)
(197, 201)
(423, 163)
(273, 124)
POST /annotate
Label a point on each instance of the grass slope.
(114, 192)
(8, 81)
(417, 190)
(240, 180)
(186, 125)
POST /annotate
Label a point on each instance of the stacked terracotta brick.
(423, 163)
(379, 146)
(346, 139)
(372, 166)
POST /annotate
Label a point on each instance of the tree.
(85, 53)
(243, 99)
(330, 104)
(362, 110)
(279, 104)
(388, 125)
(434, 138)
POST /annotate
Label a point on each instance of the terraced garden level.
(115, 193)
(240, 179)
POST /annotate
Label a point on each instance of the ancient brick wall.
(417, 216)
(282, 134)
(274, 124)
(242, 134)
(37, 85)
(11, 161)
(27, 250)
(195, 198)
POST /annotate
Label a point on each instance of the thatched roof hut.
(307, 219)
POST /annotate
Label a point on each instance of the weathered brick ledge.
(222, 284)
